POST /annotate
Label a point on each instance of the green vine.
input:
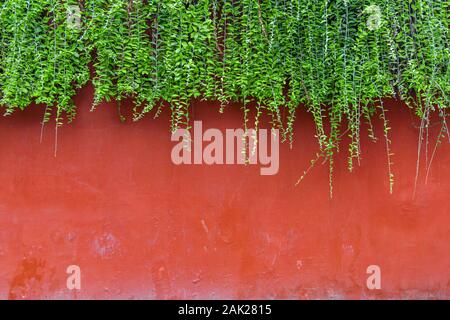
(336, 58)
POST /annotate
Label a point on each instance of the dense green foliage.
(337, 58)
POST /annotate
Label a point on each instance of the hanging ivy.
(42, 58)
(336, 58)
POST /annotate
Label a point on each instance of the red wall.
(112, 202)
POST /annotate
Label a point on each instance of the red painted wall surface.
(112, 202)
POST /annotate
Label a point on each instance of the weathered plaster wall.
(112, 202)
